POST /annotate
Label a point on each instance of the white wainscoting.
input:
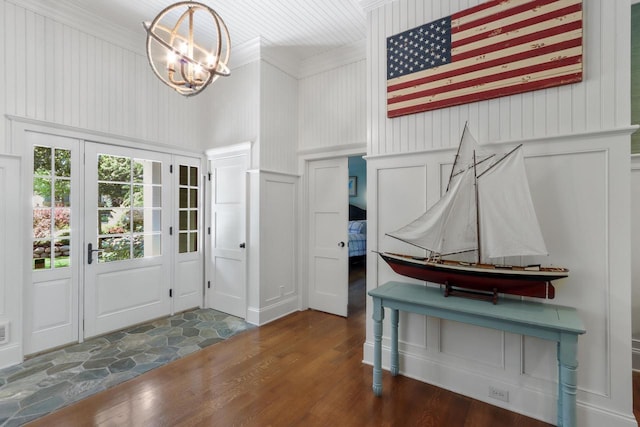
(635, 258)
(11, 256)
(273, 234)
(579, 189)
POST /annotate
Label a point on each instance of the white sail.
(508, 222)
(469, 151)
(449, 226)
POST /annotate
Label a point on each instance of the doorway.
(111, 226)
(357, 228)
(337, 233)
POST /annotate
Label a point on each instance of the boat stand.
(450, 290)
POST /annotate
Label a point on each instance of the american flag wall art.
(498, 48)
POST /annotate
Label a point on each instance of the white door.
(51, 173)
(127, 247)
(188, 280)
(228, 234)
(328, 237)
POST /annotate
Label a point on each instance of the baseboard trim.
(263, 315)
(538, 404)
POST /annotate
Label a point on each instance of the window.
(129, 208)
(188, 209)
(51, 208)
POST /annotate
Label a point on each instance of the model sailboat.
(487, 211)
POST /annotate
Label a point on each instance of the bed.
(357, 233)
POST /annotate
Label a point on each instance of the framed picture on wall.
(353, 186)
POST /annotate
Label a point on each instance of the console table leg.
(395, 366)
(567, 380)
(378, 316)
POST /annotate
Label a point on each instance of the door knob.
(341, 244)
(90, 252)
(242, 245)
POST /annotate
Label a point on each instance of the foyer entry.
(111, 228)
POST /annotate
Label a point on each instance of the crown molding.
(86, 22)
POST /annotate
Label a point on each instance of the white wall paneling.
(332, 107)
(232, 112)
(278, 119)
(57, 73)
(576, 144)
(11, 256)
(577, 203)
(635, 257)
(273, 250)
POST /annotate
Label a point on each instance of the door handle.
(90, 252)
(341, 244)
(242, 245)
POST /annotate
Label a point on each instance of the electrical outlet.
(498, 393)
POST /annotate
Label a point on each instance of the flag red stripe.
(493, 93)
(488, 79)
(498, 15)
(496, 62)
(483, 6)
(518, 25)
(528, 38)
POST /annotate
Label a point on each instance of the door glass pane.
(130, 202)
(193, 220)
(193, 242)
(62, 192)
(184, 220)
(184, 198)
(42, 161)
(114, 248)
(62, 162)
(114, 168)
(194, 176)
(184, 241)
(51, 201)
(184, 175)
(61, 252)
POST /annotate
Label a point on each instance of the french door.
(115, 238)
(52, 177)
(127, 246)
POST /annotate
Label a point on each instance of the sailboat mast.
(455, 161)
(475, 182)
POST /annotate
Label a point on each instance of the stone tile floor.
(52, 380)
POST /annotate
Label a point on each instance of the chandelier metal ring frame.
(188, 67)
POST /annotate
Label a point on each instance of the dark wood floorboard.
(304, 369)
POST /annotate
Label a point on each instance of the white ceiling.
(305, 27)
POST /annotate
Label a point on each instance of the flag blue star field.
(419, 49)
(497, 48)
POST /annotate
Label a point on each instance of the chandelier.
(181, 62)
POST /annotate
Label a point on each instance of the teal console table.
(546, 321)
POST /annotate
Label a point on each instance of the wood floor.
(305, 369)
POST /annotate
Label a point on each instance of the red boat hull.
(491, 280)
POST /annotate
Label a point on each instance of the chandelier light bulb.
(178, 40)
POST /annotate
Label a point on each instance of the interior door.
(328, 237)
(52, 171)
(228, 233)
(127, 248)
